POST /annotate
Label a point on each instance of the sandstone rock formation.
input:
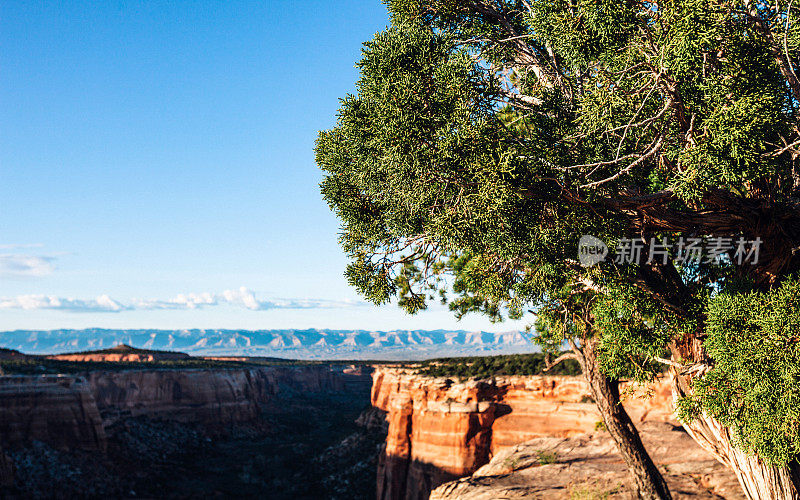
(121, 353)
(58, 410)
(440, 429)
(215, 398)
(294, 433)
(589, 466)
(72, 411)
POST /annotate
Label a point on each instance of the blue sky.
(157, 168)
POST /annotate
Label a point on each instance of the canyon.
(442, 429)
(55, 409)
(67, 411)
(328, 430)
(106, 433)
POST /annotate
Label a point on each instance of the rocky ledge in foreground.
(589, 466)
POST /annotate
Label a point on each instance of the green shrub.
(754, 385)
(545, 457)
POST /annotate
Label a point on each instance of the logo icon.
(591, 250)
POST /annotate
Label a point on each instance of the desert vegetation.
(478, 367)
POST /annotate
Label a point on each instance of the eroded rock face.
(215, 398)
(373, 419)
(58, 410)
(440, 430)
(302, 445)
(212, 397)
(72, 411)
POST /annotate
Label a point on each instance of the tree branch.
(550, 365)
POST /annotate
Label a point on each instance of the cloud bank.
(241, 297)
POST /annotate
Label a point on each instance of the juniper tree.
(388, 174)
(487, 136)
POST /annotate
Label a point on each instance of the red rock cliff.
(211, 397)
(440, 430)
(58, 410)
(72, 411)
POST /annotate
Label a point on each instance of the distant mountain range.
(295, 344)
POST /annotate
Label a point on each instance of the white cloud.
(181, 301)
(241, 297)
(103, 303)
(14, 263)
(22, 266)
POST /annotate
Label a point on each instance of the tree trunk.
(649, 482)
(759, 480)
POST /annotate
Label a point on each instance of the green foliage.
(632, 333)
(545, 457)
(491, 366)
(485, 138)
(754, 339)
(587, 492)
(35, 365)
(593, 30)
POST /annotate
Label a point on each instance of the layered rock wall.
(73, 411)
(440, 429)
(58, 410)
(210, 397)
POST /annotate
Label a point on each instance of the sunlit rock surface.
(589, 466)
(122, 352)
(441, 429)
